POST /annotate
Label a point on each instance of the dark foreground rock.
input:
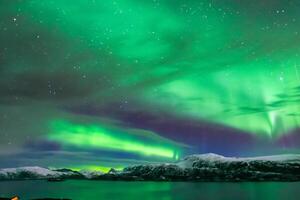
(205, 167)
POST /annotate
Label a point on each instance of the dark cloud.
(203, 136)
(290, 140)
(42, 145)
(244, 110)
(289, 98)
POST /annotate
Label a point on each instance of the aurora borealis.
(111, 83)
(73, 134)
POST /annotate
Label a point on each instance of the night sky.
(97, 84)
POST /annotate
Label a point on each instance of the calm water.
(83, 189)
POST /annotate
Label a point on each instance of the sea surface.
(120, 190)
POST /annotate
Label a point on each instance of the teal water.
(115, 190)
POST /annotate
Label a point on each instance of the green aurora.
(150, 79)
(98, 137)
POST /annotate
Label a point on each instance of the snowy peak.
(212, 158)
(38, 171)
(278, 158)
(187, 162)
(30, 168)
(34, 172)
(89, 174)
(207, 156)
(216, 157)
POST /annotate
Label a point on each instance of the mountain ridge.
(196, 167)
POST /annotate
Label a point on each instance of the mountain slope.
(36, 173)
(213, 167)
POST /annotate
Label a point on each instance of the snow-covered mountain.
(213, 167)
(36, 173)
(212, 159)
(204, 167)
(89, 174)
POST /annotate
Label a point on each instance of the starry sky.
(97, 84)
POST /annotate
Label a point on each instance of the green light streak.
(104, 169)
(96, 137)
